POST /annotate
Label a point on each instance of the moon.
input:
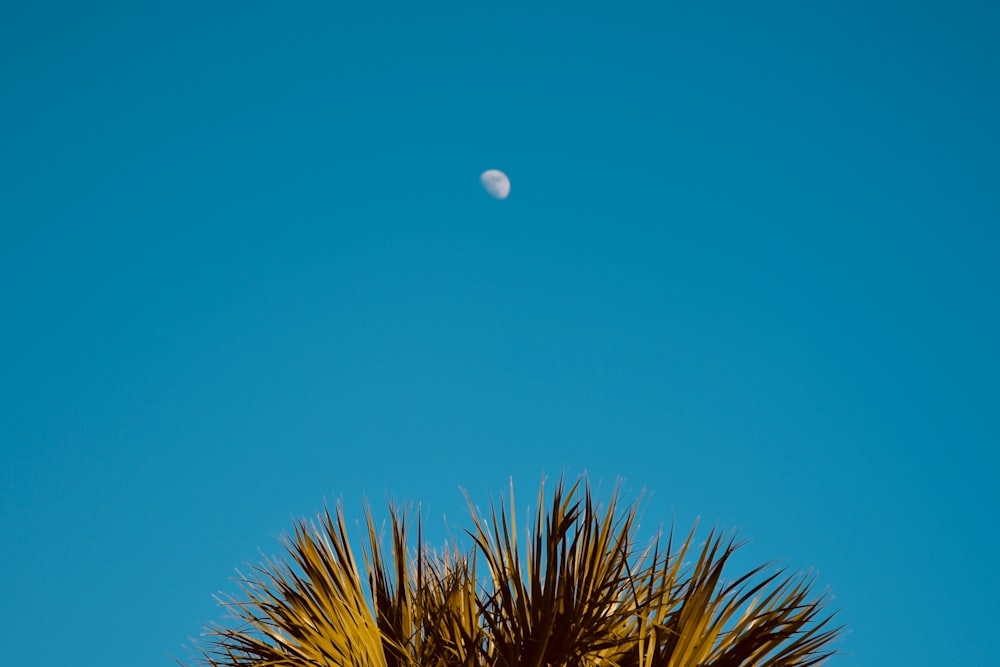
(496, 183)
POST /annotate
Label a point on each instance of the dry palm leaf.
(576, 590)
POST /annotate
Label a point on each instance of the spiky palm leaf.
(580, 592)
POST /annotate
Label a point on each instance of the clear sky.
(749, 263)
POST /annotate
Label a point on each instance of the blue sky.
(748, 264)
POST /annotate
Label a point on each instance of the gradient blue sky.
(749, 264)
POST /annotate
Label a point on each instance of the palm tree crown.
(577, 591)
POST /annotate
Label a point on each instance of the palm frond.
(575, 588)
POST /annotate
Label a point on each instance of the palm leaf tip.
(575, 588)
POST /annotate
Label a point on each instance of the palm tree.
(578, 592)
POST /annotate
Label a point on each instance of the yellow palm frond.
(576, 589)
